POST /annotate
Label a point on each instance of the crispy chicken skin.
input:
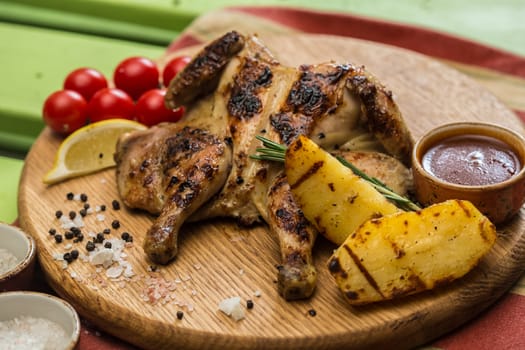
(234, 89)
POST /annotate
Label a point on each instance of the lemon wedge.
(89, 149)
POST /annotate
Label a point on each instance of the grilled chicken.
(199, 168)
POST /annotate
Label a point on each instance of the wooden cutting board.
(219, 259)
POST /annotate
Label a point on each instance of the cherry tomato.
(173, 67)
(85, 81)
(110, 103)
(136, 75)
(150, 109)
(64, 111)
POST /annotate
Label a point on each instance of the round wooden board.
(219, 259)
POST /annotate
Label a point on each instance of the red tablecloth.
(500, 327)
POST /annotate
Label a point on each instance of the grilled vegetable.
(409, 252)
(331, 196)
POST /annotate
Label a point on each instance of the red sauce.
(471, 160)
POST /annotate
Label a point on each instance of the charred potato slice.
(409, 252)
(331, 196)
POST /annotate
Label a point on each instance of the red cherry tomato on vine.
(173, 67)
(150, 109)
(64, 111)
(110, 103)
(136, 75)
(85, 81)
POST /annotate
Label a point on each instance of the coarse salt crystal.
(102, 257)
(30, 333)
(78, 221)
(232, 307)
(101, 217)
(7, 261)
(114, 271)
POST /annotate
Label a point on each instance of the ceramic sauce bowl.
(480, 162)
(17, 258)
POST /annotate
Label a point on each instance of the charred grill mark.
(147, 180)
(294, 223)
(201, 74)
(466, 210)
(310, 95)
(290, 218)
(295, 259)
(244, 100)
(334, 266)
(305, 97)
(289, 126)
(265, 78)
(191, 155)
(414, 284)
(313, 169)
(485, 225)
(144, 165)
(398, 251)
(243, 104)
(363, 270)
(173, 181)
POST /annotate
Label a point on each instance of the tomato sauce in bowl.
(480, 162)
(471, 160)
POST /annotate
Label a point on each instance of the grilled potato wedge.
(409, 252)
(331, 196)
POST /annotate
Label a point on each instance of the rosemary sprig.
(276, 152)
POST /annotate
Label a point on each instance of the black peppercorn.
(74, 254)
(312, 312)
(69, 235)
(86, 206)
(52, 231)
(72, 215)
(102, 207)
(83, 197)
(115, 224)
(70, 196)
(116, 205)
(180, 315)
(58, 214)
(79, 238)
(90, 246)
(107, 245)
(82, 212)
(99, 238)
(106, 231)
(67, 257)
(126, 236)
(58, 238)
(249, 304)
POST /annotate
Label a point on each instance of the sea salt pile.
(7, 261)
(32, 333)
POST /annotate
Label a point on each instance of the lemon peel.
(89, 149)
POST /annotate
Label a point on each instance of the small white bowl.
(23, 247)
(27, 306)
